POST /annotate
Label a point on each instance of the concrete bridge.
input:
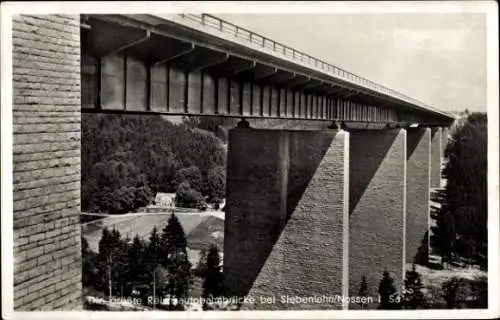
(309, 212)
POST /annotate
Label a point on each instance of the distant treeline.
(127, 159)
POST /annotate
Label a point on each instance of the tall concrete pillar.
(285, 216)
(417, 190)
(46, 162)
(377, 206)
(436, 157)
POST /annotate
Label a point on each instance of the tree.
(413, 296)
(192, 175)
(387, 292)
(216, 184)
(153, 252)
(136, 261)
(201, 267)
(363, 289)
(175, 260)
(187, 197)
(212, 284)
(443, 233)
(462, 216)
(88, 264)
(111, 262)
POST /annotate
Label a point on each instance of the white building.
(164, 200)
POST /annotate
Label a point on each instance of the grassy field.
(201, 229)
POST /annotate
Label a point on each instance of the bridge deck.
(201, 65)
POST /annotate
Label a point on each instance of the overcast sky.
(437, 58)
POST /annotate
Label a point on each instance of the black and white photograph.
(225, 160)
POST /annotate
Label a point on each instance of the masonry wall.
(284, 221)
(417, 190)
(377, 208)
(46, 162)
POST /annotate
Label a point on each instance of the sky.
(436, 58)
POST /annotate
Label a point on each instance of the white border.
(488, 7)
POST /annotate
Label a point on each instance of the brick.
(30, 185)
(45, 137)
(46, 38)
(47, 199)
(37, 237)
(26, 265)
(45, 173)
(47, 190)
(52, 209)
(44, 147)
(50, 78)
(46, 128)
(46, 100)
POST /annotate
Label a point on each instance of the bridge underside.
(131, 64)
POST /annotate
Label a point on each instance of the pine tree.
(201, 267)
(136, 257)
(387, 292)
(363, 289)
(153, 252)
(88, 264)
(175, 259)
(212, 284)
(443, 233)
(413, 297)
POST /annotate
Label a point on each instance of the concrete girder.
(230, 69)
(159, 49)
(280, 76)
(199, 59)
(297, 80)
(103, 38)
(307, 86)
(257, 71)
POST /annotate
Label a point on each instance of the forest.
(127, 159)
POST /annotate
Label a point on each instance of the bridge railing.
(229, 28)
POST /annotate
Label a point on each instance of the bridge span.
(201, 65)
(309, 212)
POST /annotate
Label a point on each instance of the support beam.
(175, 55)
(286, 207)
(236, 71)
(417, 193)
(306, 86)
(377, 208)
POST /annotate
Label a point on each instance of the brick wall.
(376, 201)
(285, 209)
(417, 189)
(46, 128)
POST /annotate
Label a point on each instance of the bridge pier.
(286, 207)
(377, 208)
(417, 189)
